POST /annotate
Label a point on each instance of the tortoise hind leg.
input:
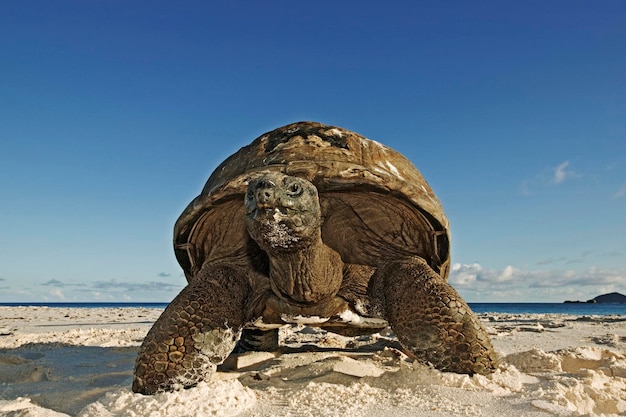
(432, 321)
(196, 332)
(257, 340)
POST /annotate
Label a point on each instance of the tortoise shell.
(376, 205)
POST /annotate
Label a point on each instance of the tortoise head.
(282, 212)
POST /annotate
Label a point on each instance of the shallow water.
(61, 377)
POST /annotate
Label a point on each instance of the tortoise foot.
(433, 322)
(195, 333)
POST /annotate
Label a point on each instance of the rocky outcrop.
(611, 298)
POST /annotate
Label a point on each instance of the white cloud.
(552, 176)
(57, 293)
(463, 275)
(561, 173)
(110, 290)
(60, 284)
(613, 165)
(621, 192)
(54, 283)
(476, 283)
(507, 274)
(137, 287)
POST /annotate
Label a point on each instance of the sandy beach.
(79, 362)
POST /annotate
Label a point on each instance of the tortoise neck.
(308, 276)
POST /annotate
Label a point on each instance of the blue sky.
(114, 113)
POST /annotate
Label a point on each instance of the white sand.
(70, 361)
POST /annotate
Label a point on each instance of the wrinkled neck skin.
(306, 276)
(283, 215)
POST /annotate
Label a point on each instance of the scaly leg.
(196, 332)
(431, 319)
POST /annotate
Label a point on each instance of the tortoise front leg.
(431, 319)
(196, 332)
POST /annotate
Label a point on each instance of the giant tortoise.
(311, 224)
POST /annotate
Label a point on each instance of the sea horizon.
(577, 309)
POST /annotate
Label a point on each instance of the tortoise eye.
(294, 189)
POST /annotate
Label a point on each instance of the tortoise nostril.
(264, 190)
(264, 195)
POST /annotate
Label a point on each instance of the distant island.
(610, 298)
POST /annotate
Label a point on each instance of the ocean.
(578, 309)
